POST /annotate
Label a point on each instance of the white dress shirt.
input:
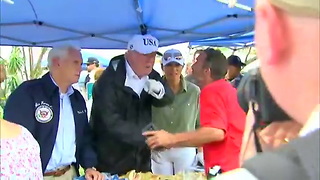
(64, 149)
(133, 81)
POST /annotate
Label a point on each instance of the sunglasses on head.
(168, 56)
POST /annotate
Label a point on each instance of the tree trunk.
(38, 69)
(249, 51)
(31, 61)
(24, 64)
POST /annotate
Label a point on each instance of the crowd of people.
(167, 124)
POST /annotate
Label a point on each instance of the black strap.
(257, 142)
(256, 126)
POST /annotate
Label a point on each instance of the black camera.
(252, 90)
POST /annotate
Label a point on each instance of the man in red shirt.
(222, 120)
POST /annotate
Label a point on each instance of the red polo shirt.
(219, 108)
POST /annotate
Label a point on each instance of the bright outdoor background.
(24, 63)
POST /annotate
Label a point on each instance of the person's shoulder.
(208, 91)
(223, 85)
(191, 78)
(115, 62)
(193, 87)
(107, 76)
(113, 67)
(212, 86)
(107, 80)
(217, 88)
(78, 94)
(239, 77)
(10, 129)
(154, 74)
(32, 82)
(29, 86)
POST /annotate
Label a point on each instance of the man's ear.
(55, 61)
(207, 71)
(271, 30)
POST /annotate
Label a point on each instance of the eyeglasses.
(168, 56)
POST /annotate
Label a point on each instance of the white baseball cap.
(144, 44)
(172, 55)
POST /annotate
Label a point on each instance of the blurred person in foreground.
(221, 118)
(122, 100)
(56, 115)
(19, 151)
(180, 116)
(287, 42)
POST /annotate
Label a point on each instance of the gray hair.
(60, 52)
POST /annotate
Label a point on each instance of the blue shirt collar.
(70, 90)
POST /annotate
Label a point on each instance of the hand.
(278, 133)
(154, 88)
(92, 174)
(159, 139)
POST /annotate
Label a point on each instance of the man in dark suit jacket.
(55, 114)
(122, 100)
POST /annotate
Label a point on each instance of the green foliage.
(15, 62)
(81, 171)
(1, 112)
(19, 69)
(13, 66)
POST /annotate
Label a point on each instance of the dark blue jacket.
(35, 104)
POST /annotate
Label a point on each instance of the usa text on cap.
(144, 44)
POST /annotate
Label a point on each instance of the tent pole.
(233, 51)
(248, 54)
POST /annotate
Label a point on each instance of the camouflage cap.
(299, 7)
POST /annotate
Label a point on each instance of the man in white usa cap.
(122, 100)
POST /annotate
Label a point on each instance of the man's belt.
(58, 172)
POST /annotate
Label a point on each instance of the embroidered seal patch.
(43, 113)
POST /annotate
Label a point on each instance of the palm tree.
(19, 69)
(14, 69)
(35, 70)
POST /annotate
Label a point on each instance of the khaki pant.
(173, 161)
(69, 175)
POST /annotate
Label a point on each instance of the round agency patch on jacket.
(43, 114)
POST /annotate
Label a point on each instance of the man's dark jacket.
(21, 109)
(118, 117)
